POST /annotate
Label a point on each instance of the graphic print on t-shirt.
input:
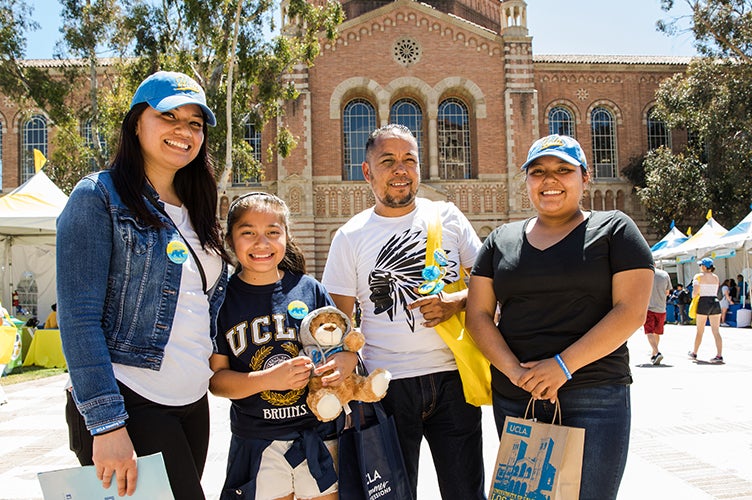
(263, 357)
(397, 274)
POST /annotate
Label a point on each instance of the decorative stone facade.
(478, 52)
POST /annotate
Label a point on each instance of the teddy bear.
(323, 332)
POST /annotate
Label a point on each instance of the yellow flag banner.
(39, 160)
(709, 215)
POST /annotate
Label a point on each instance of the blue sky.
(558, 27)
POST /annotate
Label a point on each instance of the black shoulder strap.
(161, 210)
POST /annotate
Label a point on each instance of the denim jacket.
(116, 292)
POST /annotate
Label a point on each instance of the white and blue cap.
(166, 90)
(561, 146)
(707, 262)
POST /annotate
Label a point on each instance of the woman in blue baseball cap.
(141, 273)
(705, 285)
(564, 342)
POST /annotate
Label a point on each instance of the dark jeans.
(434, 406)
(681, 313)
(181, 433)
(605, 414)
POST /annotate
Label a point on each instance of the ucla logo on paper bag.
(528, 473)
(518, 429)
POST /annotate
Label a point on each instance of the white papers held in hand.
(81, 483)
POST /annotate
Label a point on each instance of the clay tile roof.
(604, 59)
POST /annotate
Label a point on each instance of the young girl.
(278, 448)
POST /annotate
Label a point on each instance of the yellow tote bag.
(693, 306)
(473, 366)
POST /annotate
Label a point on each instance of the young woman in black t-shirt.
(565, 340)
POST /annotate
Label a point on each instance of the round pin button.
(297, 309)
(177, 251)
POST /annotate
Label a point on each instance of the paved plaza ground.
(691, 427)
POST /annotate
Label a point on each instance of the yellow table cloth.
(46, 350)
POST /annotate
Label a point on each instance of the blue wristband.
(563, 367)
(104, 429)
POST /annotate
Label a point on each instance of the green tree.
(675, 189)
(23, 82)
(713, 101)
(226, 46)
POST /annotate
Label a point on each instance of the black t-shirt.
(257, 329)
(550, 298)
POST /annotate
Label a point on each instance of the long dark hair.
(194, 184)
(294, 259)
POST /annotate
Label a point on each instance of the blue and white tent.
(698, 244)
(673, 239)
(738, 236)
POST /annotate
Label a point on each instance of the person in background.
(726, 300)
(51, 321)
(141, 273)
(683, 298)
(565, 344)
(656, 316)
(378, 258)
(259, 364)
(705, 285)
(742, 290)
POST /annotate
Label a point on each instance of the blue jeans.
(605, 414)
(434, 406)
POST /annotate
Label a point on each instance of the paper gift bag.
(538, 461)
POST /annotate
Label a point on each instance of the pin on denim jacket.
(116, 292)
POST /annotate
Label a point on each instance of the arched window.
(358, 121)
(454, 140)
(34, 137)
(560, 121)
(88, 136)
(658, 134)
(407, 112)
(604, 144)
(253, 137)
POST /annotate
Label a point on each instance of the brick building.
(463, 75)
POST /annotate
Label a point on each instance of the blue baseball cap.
(166, 90)
(561, 146)
(707, 262)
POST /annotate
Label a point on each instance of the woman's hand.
(542, 379)
(341, 364)
(113, 453)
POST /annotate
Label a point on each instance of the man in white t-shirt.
(378, 257)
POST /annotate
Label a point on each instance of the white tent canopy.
(736, 237)
(673, 239)
(27, 239)
(697, 245)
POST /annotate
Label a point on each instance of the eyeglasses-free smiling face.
(259, 241)
(170, 139)
(555, 187)
(393, 170)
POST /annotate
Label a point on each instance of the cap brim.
(553, 152)
(175, 101)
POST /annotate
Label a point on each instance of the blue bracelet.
(563, 366)
(104, 429)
